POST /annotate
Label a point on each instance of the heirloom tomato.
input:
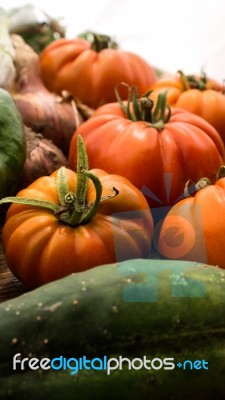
(91, 69)
(198, 94)
(157, 150)
(194, 229)
(70, 222)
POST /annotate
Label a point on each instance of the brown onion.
(47, 113)
(42, 158)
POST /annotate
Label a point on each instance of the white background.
(169, 34)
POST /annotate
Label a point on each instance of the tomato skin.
(208, 104)
(71, 64)
(200, 221)
(187, 147)
(40, 249)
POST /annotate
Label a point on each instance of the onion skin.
(47, 113)
(43, 157)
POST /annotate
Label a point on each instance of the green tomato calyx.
(144, 109)
(73, 209)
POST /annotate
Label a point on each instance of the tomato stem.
(184, 80)
(162, 111)
(62, 185)
(78, 200)
(221, 173)
(192, 188)
(81, 212)
(30, 202)
(82, 181)
(143, 108)
(146, 105)
(98, 41)
(191, 82)
(92, 208)
(73, 209)
(202, 183)
(199, 84)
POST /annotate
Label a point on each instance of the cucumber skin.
(122, 385)
(85, 314)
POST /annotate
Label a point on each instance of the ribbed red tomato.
(150, 147)
(70, 222)
(194, 229)
(90, 70)
(197, 94)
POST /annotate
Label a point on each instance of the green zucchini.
(136, 308)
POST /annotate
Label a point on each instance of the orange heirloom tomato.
(149, 148)
(90, 70)
(76, 222)
(194, 229)
(199, 95)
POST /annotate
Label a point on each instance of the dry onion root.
(45, 112)
(42, 158)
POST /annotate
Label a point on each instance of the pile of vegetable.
(91, 68)
(113, 310)
(198, 94)
(110, 175)
(35, 26)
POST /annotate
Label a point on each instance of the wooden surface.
(10, 287)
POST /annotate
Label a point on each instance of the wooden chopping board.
(10, 287)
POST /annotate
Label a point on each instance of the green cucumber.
(156, 308)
